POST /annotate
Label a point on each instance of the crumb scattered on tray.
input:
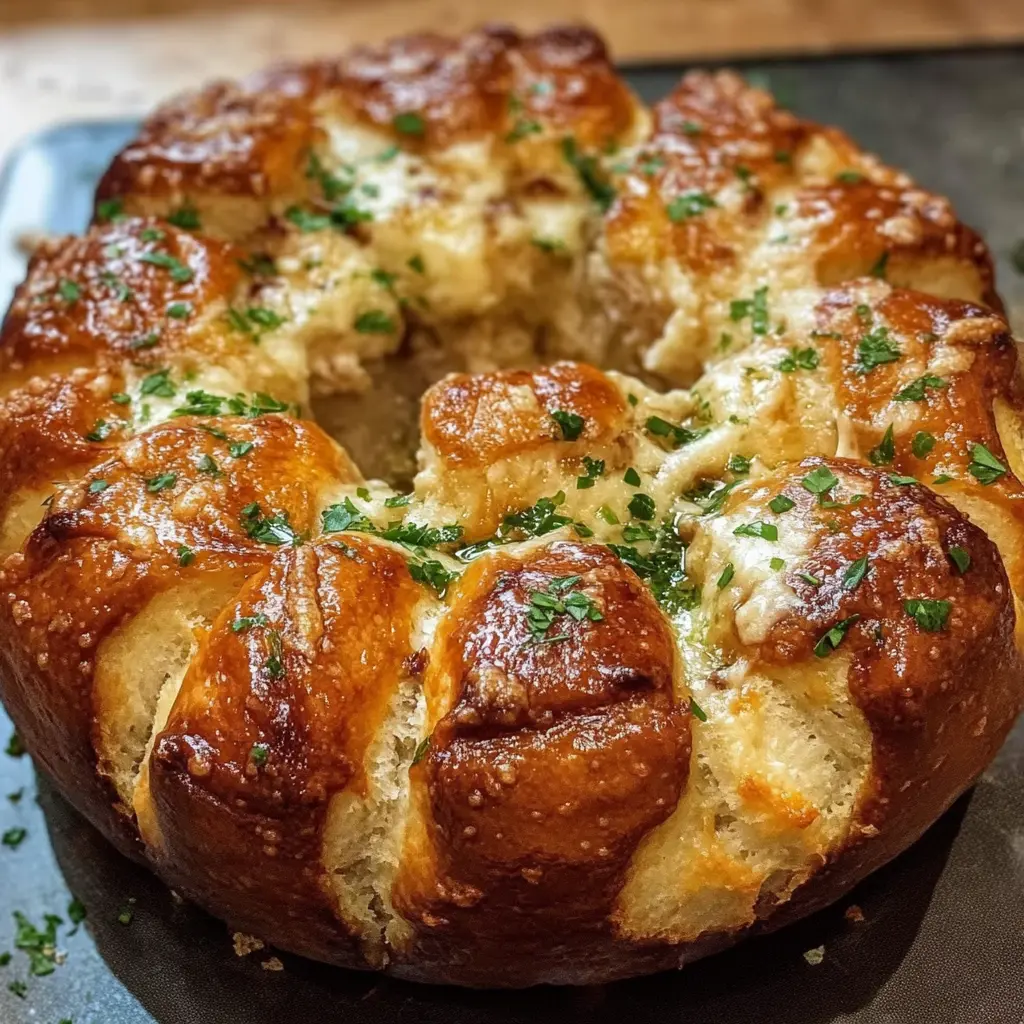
(854, 914)
(246, 944)
(273, 964)
(815, 956)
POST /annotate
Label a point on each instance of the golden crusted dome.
(699, 604)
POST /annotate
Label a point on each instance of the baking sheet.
(942, 938)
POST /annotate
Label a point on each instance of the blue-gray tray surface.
(942, 941)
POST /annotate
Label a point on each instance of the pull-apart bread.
(698, 601)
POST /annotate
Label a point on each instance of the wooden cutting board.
(63, 60)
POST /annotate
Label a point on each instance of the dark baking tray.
(943, 933)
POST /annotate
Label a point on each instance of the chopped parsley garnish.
(689, 204)
(144, 341)
(631, 477)
(375, 321)
(641, 506)
(185, 217)
(593, 470)
(180, 273)
(254, 320)
(558, 600)
(307, 221)
(247, 622)
(960, 558)
(569, 423)
(878, 268)
(902, 481)
(409, 123)
(662, 568)
(930, 615)
(397, 501)
(158, 384)
(922, 443)
(810, 578)
(258, 754)
(820, 480)
(915, 391)
(855, 573)
(121, 291)
(781, 503)
(15, 747)
(186, 556)
(69, 291)
(608, 515)
(179, 310)
(680, 435)
(766, 531)
(776, 563)
(259, 264)
(345, 516)
(14, 837)
(849, 177)
(421, 750)
(202, 403)
(756, 308)
(834, 637)
(267, 529)
(109, 210)
(876, 348)
(725, 578)
(984, 466)
(738, 464)
(77, 913)
(589, 173)
(697, 711)
(96, 486)
(161, 482)
(206, 464)
(416, 264)
(275, 659)
(885, 451)
(432, 573)
(126, 914)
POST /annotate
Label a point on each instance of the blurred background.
(64, 60)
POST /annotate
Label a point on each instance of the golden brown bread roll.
(650, 656)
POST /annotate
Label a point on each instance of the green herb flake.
(375, 321)
(915, 391)
(902, 481)
(810, 578)
(641, 506)
(799, 359)
(185, 217)
(421, 750)
(833, 637)
(409, 123)
(922, 443)
(180, 273)
(689, 204)
(96, 486)
(755, 308)
(13, 837)
(69, 291)
(558, 600)
(885, 451)
(179, 310)
(697, 711)
(161, 482)
(930, 615)
(586, 167)
(108, 210)
(158, 384)
(820, 480)
(274, 530)
(960, 558)
(781, 503)
(738, 464)
(876, 349)
(631, 477)
(246, 622)
(855, 572)
(879, 267)
(984, 466)
(186, 556)
(570, 424)
(766, 531)
(775, 564)
(726, 576)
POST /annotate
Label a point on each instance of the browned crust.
(242, 774)
(473, 420)
(548, 762)
(102, 296)
(99, 556)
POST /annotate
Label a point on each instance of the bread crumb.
(815, 956)
(273, 964)
(245, 944)
(854, 914)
